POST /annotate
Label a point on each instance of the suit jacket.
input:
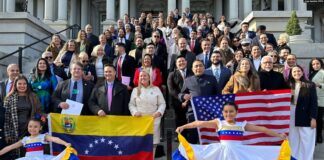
(251, 34)
(197, 48)
(62, 92)
(3, 85)
(59, 71)
(175, 84)
(128, 45)
(2, 119)
(137, 56)
(225, 75)
(128, 67)
(201, 57)
(94, 40)
(131, 37)
(306, 107)
(190, 57)
(272, 40)
(92, 69)
(119, 104)
(109, 52)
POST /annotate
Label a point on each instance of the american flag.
(270, 109)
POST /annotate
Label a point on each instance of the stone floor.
(169, 125)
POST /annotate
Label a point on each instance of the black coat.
(272, 80)
(128, 67)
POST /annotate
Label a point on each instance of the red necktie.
(119, 66)
(192, 45)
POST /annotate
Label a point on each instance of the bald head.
(12, 71)
(182, 43)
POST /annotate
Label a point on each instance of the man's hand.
(101, 113)
(64, 105)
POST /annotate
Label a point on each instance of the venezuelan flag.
(105, 138)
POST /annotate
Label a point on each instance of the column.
(73, 10)
(30, 7)
(49, 16)
(233, 9)
(274, 5)
(132, 10)
(219, 8)
(288, 5)
(40, 9)
(62, 10)
(185, 4)
(247, 7)
(110, 10)
(11, 5)
(123, 8)
(171, 6)
(1, 5)
(84, 13)
(302, 6)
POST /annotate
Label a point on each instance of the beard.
(217, 63)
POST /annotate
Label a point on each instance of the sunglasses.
(156, 36)
(48, 57)
(85, 61)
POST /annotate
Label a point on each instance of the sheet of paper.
(125, 80)
(75, 108)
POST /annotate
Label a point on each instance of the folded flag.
(270, 109)
(105, 138)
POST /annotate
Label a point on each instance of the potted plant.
(294, 30)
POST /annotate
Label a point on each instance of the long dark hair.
(311, 70)
(292, 81)
(47, 75)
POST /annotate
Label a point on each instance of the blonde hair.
(95, 50)
(140, 86)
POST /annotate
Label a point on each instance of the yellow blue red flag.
(105, 138)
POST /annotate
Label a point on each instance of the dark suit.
(92, 69)
(175, 83)
(190, 58)
(306, 107)
(225, 75)
(201, 57)
(197, 48)
(271, 80)
(93, 39)
(109, 52)
(128, 67)
(203, 85)
(3, 93)
(62, 92)
(59, 71)
(119, 104)
(2, 138)
(128, 44)
(251, 34)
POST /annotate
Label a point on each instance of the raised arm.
(208, 124)
(11, 147)
(56, 140)
(253, 128)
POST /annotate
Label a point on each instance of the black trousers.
(319, 121)
(191, 134)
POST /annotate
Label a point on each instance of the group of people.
(146, 64)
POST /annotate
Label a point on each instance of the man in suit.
(261, 41)
(75, 89)
(189, 56)
(245, 30)
(111, 97)
(256, 57)
(175, 83)
(138, 52)
(199, 84)
(228, 33)
(205, 55)
(125, 65)
(6, 86)
(109, 51)
(121, 39)
(217, 69)
(194, 43)
(89, 70)
(262, 30)
(59, 72)
(93, 39)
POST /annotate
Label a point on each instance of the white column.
(110, 10)
(1, 5)
(233, 9)
(123, 8)
(274, 5)
(185, 4)
(288, 5)
(62, 10)
(219, 8)
(247, 7)
(302, 6)
(49, 16)
(84, 13)
(30, 7)
(11, 5)
(171, 5)
(132, 10)
(40, 9)
(73, 10)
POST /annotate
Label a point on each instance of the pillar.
(233, 9)
(171, 5)
(11, 5)
(73, 13)
(184, 4)
(219, 8)
(247, 7)
(110, 10)
(123, 8)
(274, 5)
(30, 7)
(48, 15)
(40, 9)
(132, 10)
(62, 10)
(302, 6)
(84, 13)
(288, 5)
(1, 5)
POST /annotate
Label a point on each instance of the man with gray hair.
(6, 86)
(269, 79)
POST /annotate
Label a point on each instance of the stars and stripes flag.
(270, 109)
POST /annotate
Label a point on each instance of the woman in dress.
(245, 79)
(155, 73)
(231, 135)
(43, 83)
(316, 75)
(20, 105)
(303, 114)
(147, 99)
(83, 43)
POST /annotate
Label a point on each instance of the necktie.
(119, 66)
(192, 45)
(74, 91)
(183, 73)
(10, 88)
(217, 74)
(206, 60)
(109, 95)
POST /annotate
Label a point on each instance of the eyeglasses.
(49, 57)
(85, 61)
(156, 36)
(268, 62)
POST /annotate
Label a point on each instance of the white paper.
(125, 80)
(75, 108)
